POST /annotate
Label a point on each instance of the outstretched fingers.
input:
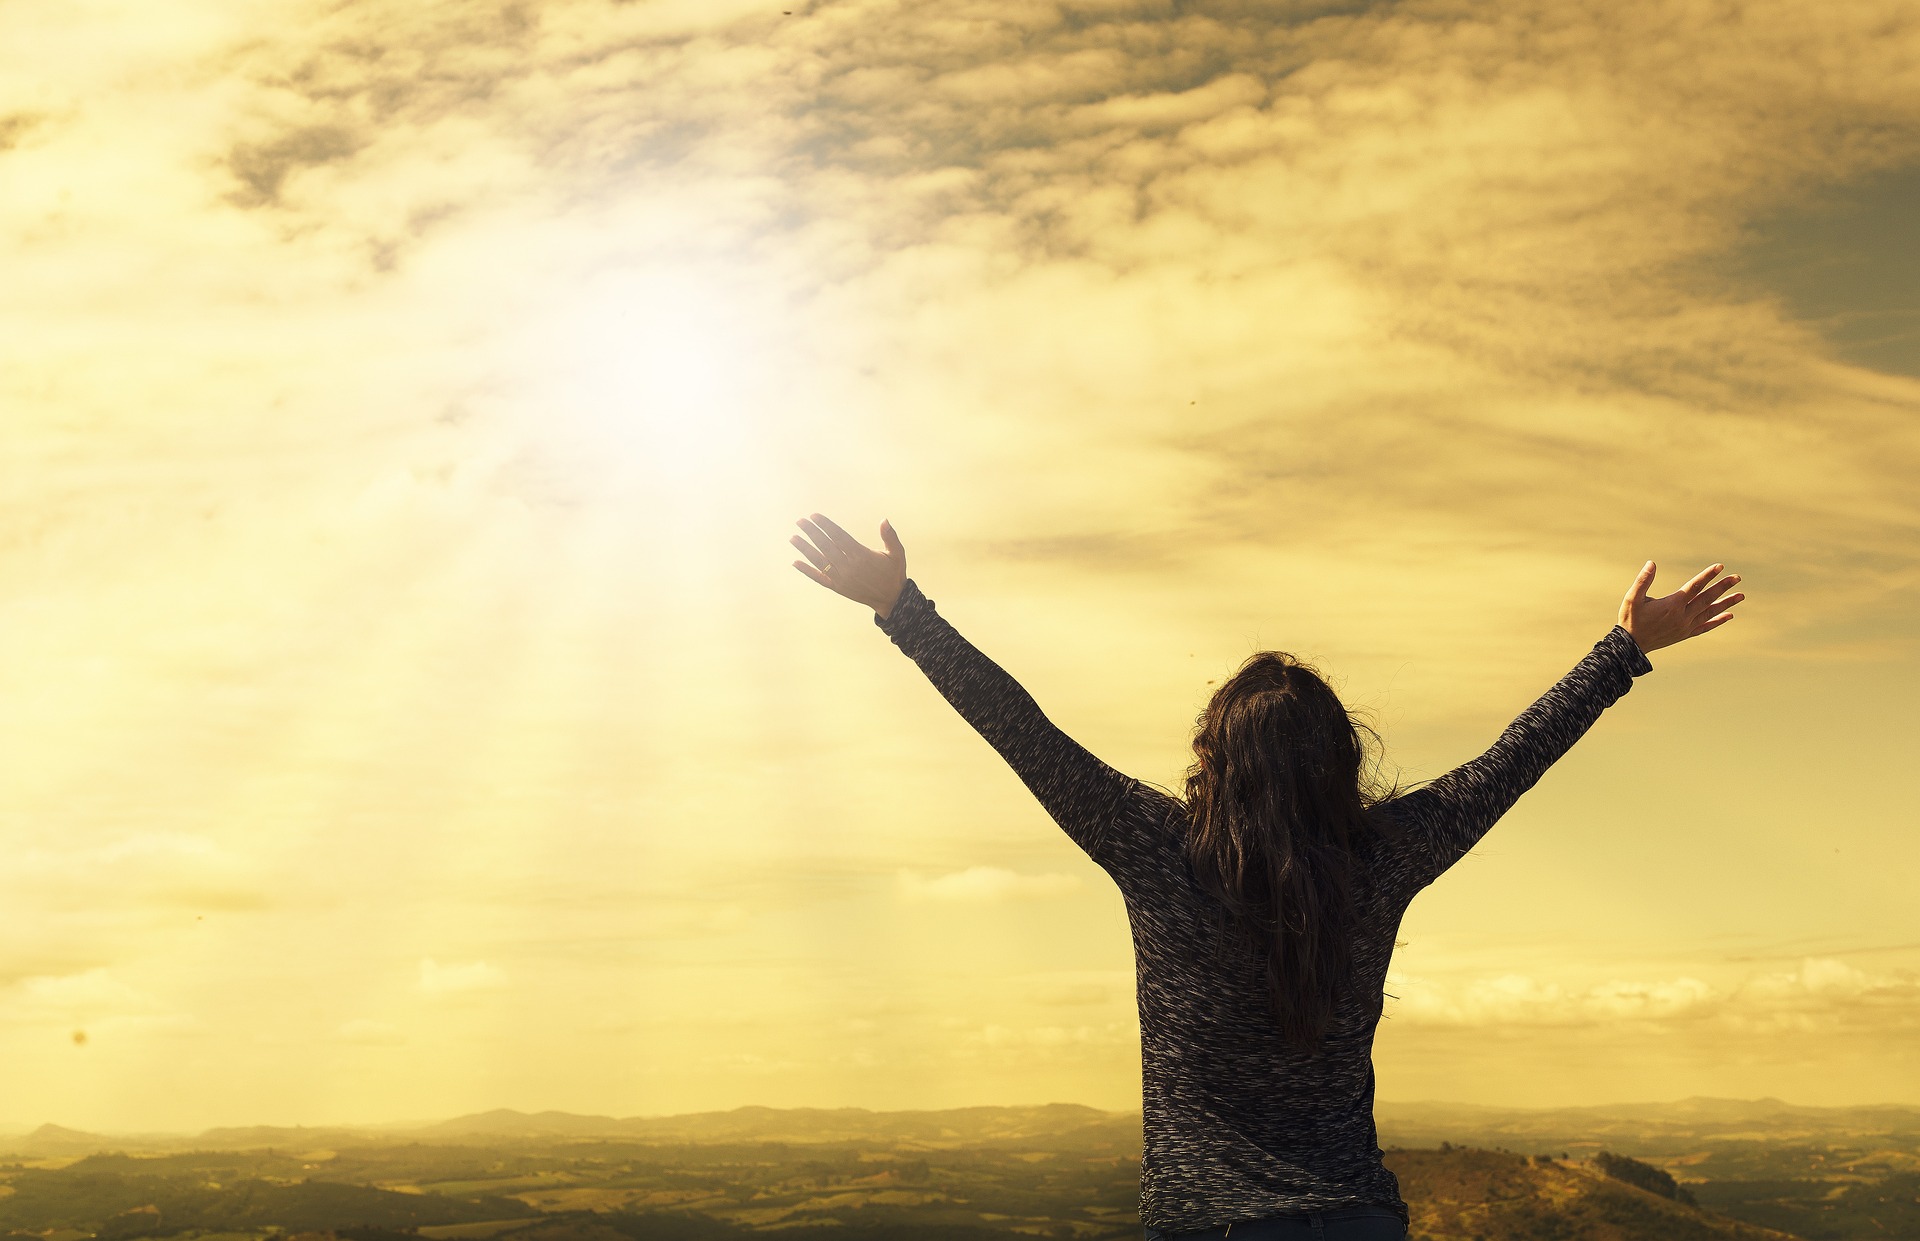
(1711, 623)
(807, 549)
(1714, 610)
(1706, 598)
(1698, 581)
(844, 542)
(828, 549)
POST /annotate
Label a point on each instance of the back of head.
(1278, 801)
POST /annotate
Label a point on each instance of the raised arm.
(1079, 791)
(1448, 816)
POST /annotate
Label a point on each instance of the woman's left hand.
(845, 566)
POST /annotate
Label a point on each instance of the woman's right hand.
(848, 567)
(1686, 613)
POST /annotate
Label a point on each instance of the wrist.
(902, 609)
(1641, 638)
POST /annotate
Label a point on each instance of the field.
(1704, 1170)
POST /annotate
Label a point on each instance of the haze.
(407, 707)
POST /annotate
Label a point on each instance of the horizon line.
(15, 1130)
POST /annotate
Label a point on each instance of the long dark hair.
(1279, 798)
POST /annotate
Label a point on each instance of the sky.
(408, 708)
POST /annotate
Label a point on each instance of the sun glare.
(653, 375)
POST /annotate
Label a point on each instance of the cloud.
(1076, 994)
(446, 980)
(1824, 994)
(262, 168)
(1509, 999)
(161, 869)
(370, 1033)
(1056, 1036)
(1405, 254)
(1079, 988)
(984, 884)
(13, 127)
(90, 994)
(1047, 1041)
(94, 1001)
(1413, 254)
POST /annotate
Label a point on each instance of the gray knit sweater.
(1238, 1123)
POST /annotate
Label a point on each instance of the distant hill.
(280, 1137)
(1481, 1195)
(1643, 1128)
(505, 1122)
(958, 1126)
(54, 1141)
(60, 1140)
(1654, 1130)
(955, 1126)
(60, 1133)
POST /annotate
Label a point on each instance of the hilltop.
(1467, 1194)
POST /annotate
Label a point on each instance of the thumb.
(892, 540)
(1643, 581)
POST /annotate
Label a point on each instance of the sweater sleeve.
(1448, 816)
(1080, 792)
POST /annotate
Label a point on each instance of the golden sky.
(406, 703)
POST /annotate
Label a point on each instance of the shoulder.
(1399, 814)
(1148, 830)
(1159, 804)
(1393, 855)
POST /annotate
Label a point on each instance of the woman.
(1263, 905)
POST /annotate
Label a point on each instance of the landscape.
(1696, 1169)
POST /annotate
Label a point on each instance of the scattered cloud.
(371, 1033)
(94, 1002)
(1054, 1037)
(263, 168)
(1073, 995)
(1822, 995)
(14, 126)
(90, 995)
(448, 980)
(1520, 999)
(984, 884)
(1405, 253)
(750, 1062)
(156, 869)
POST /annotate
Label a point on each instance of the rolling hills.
(1759, 1171)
